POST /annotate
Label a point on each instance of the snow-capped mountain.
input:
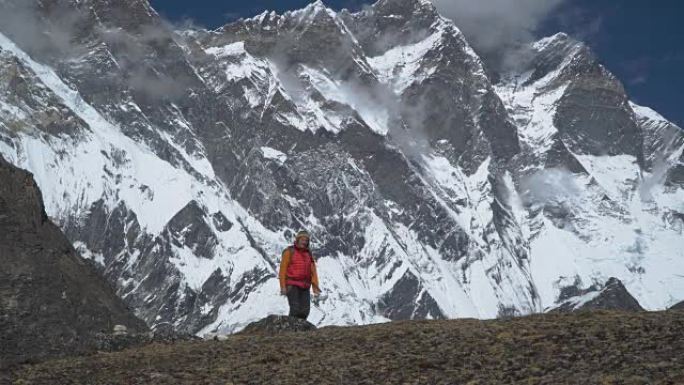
(184, 161)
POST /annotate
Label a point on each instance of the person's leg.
(293, 300)
(305, 303)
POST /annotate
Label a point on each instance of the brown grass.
(584, 348)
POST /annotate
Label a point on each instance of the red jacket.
(298, 268)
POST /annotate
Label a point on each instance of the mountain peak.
(313, 10)
(405, 8)
(559, 40)
(415, 3)
(318, 4)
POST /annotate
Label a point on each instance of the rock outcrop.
(276, 324)
(52, 302)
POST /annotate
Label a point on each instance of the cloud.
(550, 186)
(48, 31)
(156, 86)
(64, 31)
(491, 24)
(232, 16)
(355, 5)
(638, 70)
(137, 60)
(665, 158)
(583, 22)
(637, 80)
(497, 28)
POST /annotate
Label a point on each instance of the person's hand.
(316, 292)
(283, 291)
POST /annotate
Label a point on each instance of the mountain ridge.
(432, 191)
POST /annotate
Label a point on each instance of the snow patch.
(403, 66)
(273, 154)
(371, 111)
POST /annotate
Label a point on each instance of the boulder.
(276, 324)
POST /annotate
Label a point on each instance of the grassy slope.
(584, 348)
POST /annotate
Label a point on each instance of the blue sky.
(641, 41)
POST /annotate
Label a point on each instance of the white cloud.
(496, 26)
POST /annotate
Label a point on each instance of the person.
(298, 276)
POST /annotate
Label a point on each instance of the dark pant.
(299, 300)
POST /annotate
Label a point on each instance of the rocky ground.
(579, 348)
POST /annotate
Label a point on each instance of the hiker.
(298, 275)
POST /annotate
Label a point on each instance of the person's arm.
(282, 273)
(314, 278)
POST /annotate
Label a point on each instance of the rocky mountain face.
(182, 163)
(52, 302)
